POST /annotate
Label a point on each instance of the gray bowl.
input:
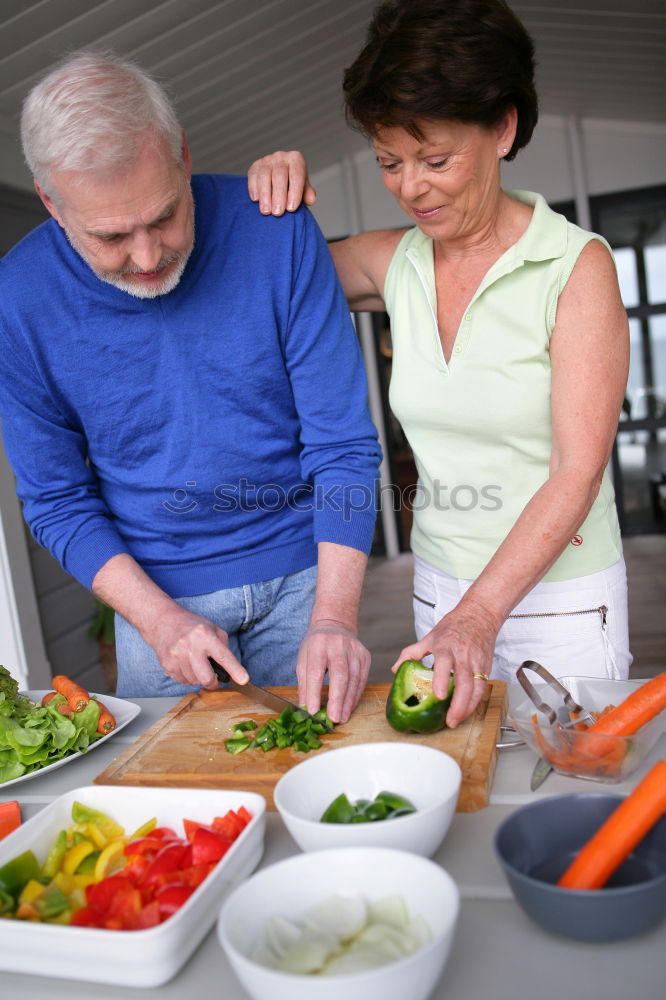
(537, 842)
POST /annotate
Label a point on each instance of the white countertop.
(498, 952)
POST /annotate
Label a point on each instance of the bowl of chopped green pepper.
(394, 794)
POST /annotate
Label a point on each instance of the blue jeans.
(265, 623)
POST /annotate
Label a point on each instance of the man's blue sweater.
(216, 433)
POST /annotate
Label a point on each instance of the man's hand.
(280, 181)
(329, 646)
(462, 643)
(184, 641)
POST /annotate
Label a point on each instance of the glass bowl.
(578, 753)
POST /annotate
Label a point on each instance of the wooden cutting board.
(185, 748)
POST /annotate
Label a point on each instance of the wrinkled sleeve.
(57, 487)
(340, 451)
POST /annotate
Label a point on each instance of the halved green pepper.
(411, 705)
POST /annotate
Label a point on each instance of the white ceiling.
(250, 76)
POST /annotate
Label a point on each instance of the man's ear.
(187, 158)
(48, 202)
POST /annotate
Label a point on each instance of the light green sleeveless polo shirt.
(480, 427)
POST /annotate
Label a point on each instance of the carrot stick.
(10, 817)
(638, 708)
(621, 832)
(106, 722)
(47, 697)
(77, 697)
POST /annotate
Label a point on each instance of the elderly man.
(183, 401)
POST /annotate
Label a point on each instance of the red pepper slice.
(195, 874)
(144, 845)
(173, 855)
(190, 826)
(86, 917)
(99, 895)
(208, 846)
(164, 833)
(171, 898)
(228, 826)
(244, 814)
(136, 868)
(123, 910)
(149, 916)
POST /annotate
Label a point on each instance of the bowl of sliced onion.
(359, 922)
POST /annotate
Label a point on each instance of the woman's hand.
(280, 181)
(462, 643)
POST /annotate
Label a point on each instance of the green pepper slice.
(395, 803)
(411, 705)
(15, 873)
(339, 811)
(7, 903)
(53, 861)
(237, 745)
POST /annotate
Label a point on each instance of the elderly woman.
(510, 352)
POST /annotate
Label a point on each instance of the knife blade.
(541, 771)
(255, 693)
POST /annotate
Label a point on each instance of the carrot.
(106, 722)
(47, 697)
(77, 697)
(10, 817)
(638, 708)
(578, 755)
(621, 832)
(65, 709)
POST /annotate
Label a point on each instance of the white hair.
(93, 111)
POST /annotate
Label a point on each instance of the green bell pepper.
(411, 705)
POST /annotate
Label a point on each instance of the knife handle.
(219, 671)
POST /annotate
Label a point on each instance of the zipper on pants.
(601, 610)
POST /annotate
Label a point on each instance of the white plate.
(122, 711)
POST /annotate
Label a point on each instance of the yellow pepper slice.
(110, 860)
(75, 855)
(64, 882)
(144, 829)
(31, 890)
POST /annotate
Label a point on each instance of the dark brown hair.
(465, 60)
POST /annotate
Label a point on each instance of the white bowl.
(130, 958)
(429, 778)
(291, 887)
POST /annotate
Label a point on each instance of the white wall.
(615, 156)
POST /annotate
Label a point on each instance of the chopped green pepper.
(293, 727)
(411, 705)
(237, 745)
(242, 727)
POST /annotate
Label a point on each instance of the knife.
(261, 695)
(541, 771)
